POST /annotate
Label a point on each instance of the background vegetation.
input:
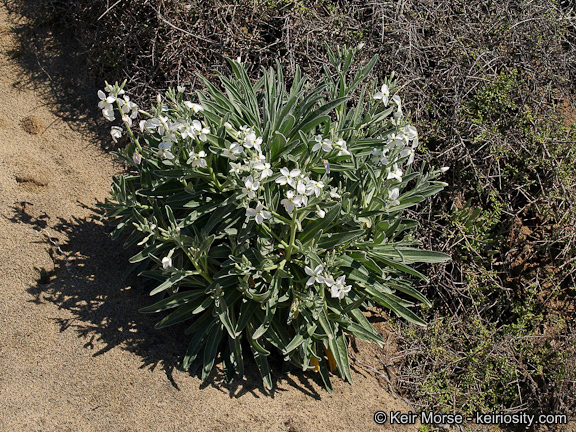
(491, 87)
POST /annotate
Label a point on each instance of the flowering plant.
(274, 215)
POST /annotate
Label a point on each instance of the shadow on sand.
(89, 281)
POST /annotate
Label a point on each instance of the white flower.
(108, 113)
(106, 106)
(105, 100)
(288, 202)
(324, 144)
(288, 177)
(137, 158)
(127, 120)
(197, 159)
(410, 132)
(300, 187)
(236, 168)
(383, 94)
(166, 262)
(334, 193)
(164, 150)
(444, 169)
(116, 133)
(258, 213)
(341, 145)
(398, 114)
(379, 156)
(265, 168)
(165, 154)
(251, 141)
(408, 152)
(236, 148)
(393, 197)
(200, 131)
(339, 289)
(314, 274)
(257, 158)
(181, 89)
(292, 200)
(250, 187)
(152, 124)
(396, 174)
(314, 187)
(129, 107)
(194, 106)
(321, 213)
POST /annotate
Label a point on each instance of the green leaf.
(246, 311)
(406, 288)
(360, 332)
(340, 353)
(236, 356)
(196, 344)
(211, 350)
(263, 367)
(365, 324)
(270, 311)
(173, 301)
(324, 372)
(185, 312)
(312, 228)
(278, 144)
(225, 314)
(154, 249)
(389, 302)
(172, 280)
(394, 264)
(306, 332)
(413, 255)
(328, 241)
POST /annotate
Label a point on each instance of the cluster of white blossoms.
(384, 96)
(127, 108)
(172, 132)
(249, 163)
(397, 147)
(301, 186)
(338, 287)
(327, 145)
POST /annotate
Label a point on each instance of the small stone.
(31, 125)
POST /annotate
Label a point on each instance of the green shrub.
(273, 215)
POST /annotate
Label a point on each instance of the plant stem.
(292, 236)
(269, 231)
(128, 127)
(282, 218)
(214, 179)
(201, 271)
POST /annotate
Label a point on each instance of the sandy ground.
(75, 354)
